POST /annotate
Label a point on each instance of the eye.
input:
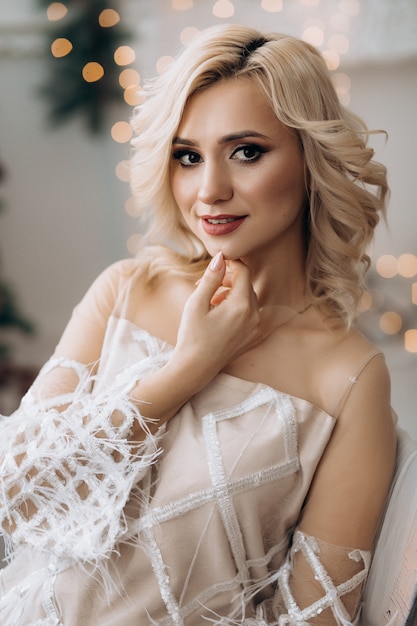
(186, 157)
(248, 153)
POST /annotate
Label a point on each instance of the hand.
(218, 324)
(213, 332)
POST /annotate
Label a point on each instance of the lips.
(221, 224)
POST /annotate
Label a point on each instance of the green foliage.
(65, 88)
(10, 314)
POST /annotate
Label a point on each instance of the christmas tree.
(84, 49)
(10, 314)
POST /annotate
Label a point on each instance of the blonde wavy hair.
(347, 188)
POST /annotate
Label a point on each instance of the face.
(237, 174)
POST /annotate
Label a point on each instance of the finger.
(240, 279)
(212, 278)
(219, 296)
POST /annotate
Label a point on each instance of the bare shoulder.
(345, 361)
(355, 472)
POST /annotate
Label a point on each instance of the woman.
(212, 441)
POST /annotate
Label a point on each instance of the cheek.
(180, 189)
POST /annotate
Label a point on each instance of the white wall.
(386, 96)
(65, 220)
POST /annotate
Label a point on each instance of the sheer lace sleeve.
(67, 464)
(319, 585)
(322, 583)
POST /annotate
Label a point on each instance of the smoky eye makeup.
(186, 157)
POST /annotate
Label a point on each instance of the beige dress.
(193, 529)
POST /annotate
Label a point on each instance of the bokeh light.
(182, 5)
(61, 47)
(390, 323)
(131, 207)
(123, 171)
(313, 35)
(407, 265)
(339, 43)
(124, 55)
(121, 132)
(56, 11)
(342, 85)
(350, 7)
(410, 340)
(133, 95)
(188, 34)
(134, 243)
(414, 293)
(92, 72)
(223, 9)
(129, 77)
(332, 59)
(108, 18)
(387, 266)
(366, 302)
(163, 63)
(340, 22)
(272, 6)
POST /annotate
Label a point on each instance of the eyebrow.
(244, 134)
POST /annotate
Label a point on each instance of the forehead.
(228, 106)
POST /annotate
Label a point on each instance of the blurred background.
(71, 72)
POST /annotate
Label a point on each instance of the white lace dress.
(198, 526)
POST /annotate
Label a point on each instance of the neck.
(281, 282)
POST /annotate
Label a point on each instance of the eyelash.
(178, 155)
(251, 147)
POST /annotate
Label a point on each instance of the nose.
(215, 184)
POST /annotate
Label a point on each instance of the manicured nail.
(216, 262)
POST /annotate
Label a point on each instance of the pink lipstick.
(221, 224)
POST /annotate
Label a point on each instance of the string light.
(134, 242)
(129, 77)
(390, 323)
(340, 22)
(133, 96)
(410, 340)
(342, 84)
(61, 47)
(182, 5)
(223, 9)
(108, 18)
(121, 132)
(131, 207)
(124, 55)
(56, 11)
(163, 63)
(92, 72)
(188, 34)
(414, 293)
(339, 43)
(313, 35)
(387, 266)
(351, 7)
(122, 171)
(272, 6)
(407, 265)
(332, 59)
(366, 302)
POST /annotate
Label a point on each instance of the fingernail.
(216, 262)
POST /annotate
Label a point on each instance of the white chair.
(391, 591)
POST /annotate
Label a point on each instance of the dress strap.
(353, 378)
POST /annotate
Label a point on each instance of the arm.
(324, 576)
(69, 458)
